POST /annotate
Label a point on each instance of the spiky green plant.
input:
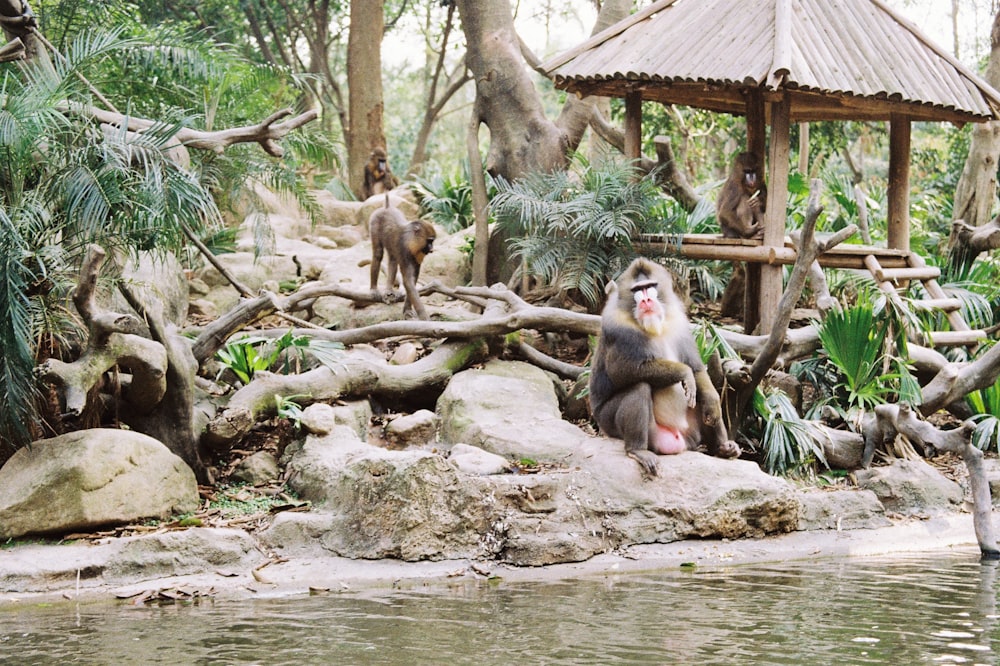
(865, 344)
(791, 444)
(574, 228)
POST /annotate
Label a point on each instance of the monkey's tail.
(386, 199)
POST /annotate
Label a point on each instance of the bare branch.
(267, 133)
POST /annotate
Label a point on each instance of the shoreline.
(305, 575)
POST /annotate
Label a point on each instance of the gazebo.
(779, 62)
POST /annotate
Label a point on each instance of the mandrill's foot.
(728, 449)
(647, 460)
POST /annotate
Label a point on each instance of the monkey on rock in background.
(379, 177)
(648, 385)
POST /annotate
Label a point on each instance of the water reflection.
(928, 609)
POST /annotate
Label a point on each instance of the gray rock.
(509, 408)
(128, 560)
(840, 510)
(473, 460)
(405, 354)
(90, 479)
(416, 429)
(321, 418)
(408, 505)
(911, 486)
(203, 308)
(256, 470)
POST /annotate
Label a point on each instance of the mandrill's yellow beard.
(652, 323)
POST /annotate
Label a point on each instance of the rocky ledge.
(493, 480)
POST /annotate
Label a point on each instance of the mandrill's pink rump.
(668, 441)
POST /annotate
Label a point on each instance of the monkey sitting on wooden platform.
(648, 384)
(407, 243)
(740, 209)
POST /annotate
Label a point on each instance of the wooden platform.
(714, 246)
(892, 270)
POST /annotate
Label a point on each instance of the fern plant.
(574, 228)
(791, 444)
(865, 344)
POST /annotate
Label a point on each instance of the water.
(925, 609)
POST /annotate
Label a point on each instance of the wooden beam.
(633, 124)
(756, 144)
(804, 149)
(898, 233)
(774, 219)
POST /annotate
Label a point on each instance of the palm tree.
(64, 184)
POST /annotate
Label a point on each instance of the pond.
(930, 608)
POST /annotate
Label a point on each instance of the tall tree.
(441, 87)
(364, 83)
(975, 194)
(522, 139)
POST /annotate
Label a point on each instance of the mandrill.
(407, 243)
(648, 384)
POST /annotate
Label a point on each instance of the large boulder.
(90, 479)
(509, 408)
(585, 497)
(911, 486)
(409, 505)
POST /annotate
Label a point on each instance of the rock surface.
(90, 479)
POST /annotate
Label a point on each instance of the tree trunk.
(576, 113)
(364, 83)
(522, 139)
(976, 190)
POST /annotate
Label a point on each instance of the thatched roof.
(837, 59)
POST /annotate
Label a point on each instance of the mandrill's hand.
(690, 389)
(647, 460)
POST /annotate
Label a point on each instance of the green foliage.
(574, 228)
(708, 278)
(447, 199)
(791, 445)
(287, 408)
(858, 342)
(251, 354)
(985, 404)
(243, 358)
(64, 186)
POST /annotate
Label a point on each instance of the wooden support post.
(633, 124)
(757, 144)
(804, 149)
(774, 219)
(898, 233)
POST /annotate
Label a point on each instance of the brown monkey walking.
(378, 176)
(407, 243)
(740, 209)
(648, 384)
